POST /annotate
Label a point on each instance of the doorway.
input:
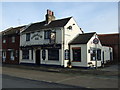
(38, 57)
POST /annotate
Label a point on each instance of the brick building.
(111, 40)
(10, 45)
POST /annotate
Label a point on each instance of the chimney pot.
(49, 16)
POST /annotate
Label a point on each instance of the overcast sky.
(101, 17)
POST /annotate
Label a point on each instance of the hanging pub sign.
(66, 54)
(95, 41)
(36, 36)
(52, 37)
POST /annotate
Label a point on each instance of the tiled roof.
(82, 38)
(11, 31)
(43, 25)
(108, 39)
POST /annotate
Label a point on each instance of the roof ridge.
(89, 33)
(63, 18)
(51, 21)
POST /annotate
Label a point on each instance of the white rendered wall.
(83, 62)
(41, 40)
(90, 44)
(106, 51)
(70, 34)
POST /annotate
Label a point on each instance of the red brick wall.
(10, 45)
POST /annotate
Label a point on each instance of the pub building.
(46, 42)
(61, 42)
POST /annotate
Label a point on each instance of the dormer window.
(28, 37)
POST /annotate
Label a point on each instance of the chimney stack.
(49, 16)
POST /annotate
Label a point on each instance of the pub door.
(38, 57)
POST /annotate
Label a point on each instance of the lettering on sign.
(36, 35)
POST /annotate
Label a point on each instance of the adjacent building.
(111, 40)
(10, 45)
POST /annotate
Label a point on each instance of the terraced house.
(11, 45)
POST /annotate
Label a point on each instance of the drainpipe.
(63, 41)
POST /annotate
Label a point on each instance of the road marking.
(67, 79)
(47, 81)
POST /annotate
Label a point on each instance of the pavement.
(89, 78)
(108, 70)
(21, 83)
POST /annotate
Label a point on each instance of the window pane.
(28, 37)
(11, 55)
(77, 55)
(25, 54)
(4, 41)
(98, 54)
(53, 54)
(47, 34)
(93, 54)
(13, 39)
(4, 55)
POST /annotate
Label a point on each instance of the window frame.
(25, 54)
(13, 39)
(4, 40)
(73, 54)
(51, 52)
(98, 54)
(3, 55)
(93, 54)
(47, 34)
(12, 56)
(27, 36)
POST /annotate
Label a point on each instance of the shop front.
(42, 54)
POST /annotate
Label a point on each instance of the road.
(15, 82)
(79, 80)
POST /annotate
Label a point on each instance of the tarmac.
(106, 77)
(111, 70)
